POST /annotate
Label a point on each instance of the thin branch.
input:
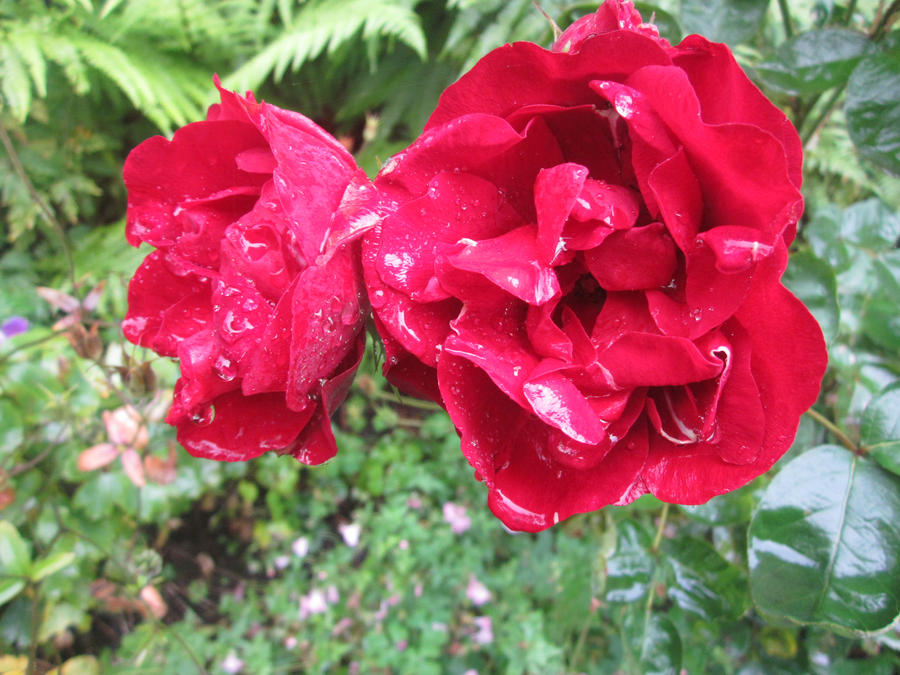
(833, 428)
(786, 18)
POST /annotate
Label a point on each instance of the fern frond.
(321, 26)
(15, 85)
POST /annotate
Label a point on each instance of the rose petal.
(638, 258)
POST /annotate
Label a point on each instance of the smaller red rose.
(264, 316)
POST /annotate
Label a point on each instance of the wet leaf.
(825, 545)
(630, 568)
(654, 643)
(731, 21)
(814, 61)
(880, 428)
(873, 109)
(813, 281)
(703, 582)
(728, 509)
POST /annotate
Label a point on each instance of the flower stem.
(786, 18)
(812, 129)
(834, 429)
(664, 516)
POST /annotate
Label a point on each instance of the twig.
(786, 18)
(834, 429)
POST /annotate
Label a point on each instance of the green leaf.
(630, 568)
(824, 543)
(10, 588)
(881, 320)
(871, 224)
(880, 428)
(812, 62)
(15, 85)
(704, 583)
(731, 21)
(873, 109)
(653, 642)
(728, 509)
(14, 555)
(812, 280)
(50, 565)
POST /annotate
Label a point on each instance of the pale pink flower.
(127, 436)
(477, 592)
(485, 633)
(455, 515)
(313, 602)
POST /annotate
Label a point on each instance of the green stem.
(664, 516)
(880, 27)
(404, 400)
(850, 9)
(786, 18)
(834, 429)
(42, 205)
(826, 110)
(35, 629)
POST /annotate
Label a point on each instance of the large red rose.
(264, 317)
(581, 258)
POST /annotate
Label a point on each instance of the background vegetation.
(386, 560)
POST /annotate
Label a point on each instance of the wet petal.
(634, 259)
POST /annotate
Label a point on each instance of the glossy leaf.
(630, 568)
(825, 545)
(871, 224)
(873, 109)
(14, 556)
(813, 281)
(731, 21)
(703, 582)
(654, 643)
(880, 429)
(728, 509)
(812, 62)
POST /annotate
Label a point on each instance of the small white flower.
(232, 664)
(350, 534)
(300, 547)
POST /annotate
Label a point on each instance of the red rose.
(265, 320)
(581, 259)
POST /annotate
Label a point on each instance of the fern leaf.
(15, 85)
(26, 44)
(321, 26)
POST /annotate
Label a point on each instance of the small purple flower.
(485, 633)
(14, 325)
(477, 592)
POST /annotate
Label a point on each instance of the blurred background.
(120, 553)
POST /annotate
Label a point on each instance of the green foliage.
(795, 573)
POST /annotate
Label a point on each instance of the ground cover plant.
(122, 553)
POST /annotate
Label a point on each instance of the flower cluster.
(580, 259)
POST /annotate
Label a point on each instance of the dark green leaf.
(812, 280)
(824, 542)
(731, 21)
(873, 109)
(654, 643)
(703, 582)
(880, 428)
(812, 62)
(629, 569)
(871, 224)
